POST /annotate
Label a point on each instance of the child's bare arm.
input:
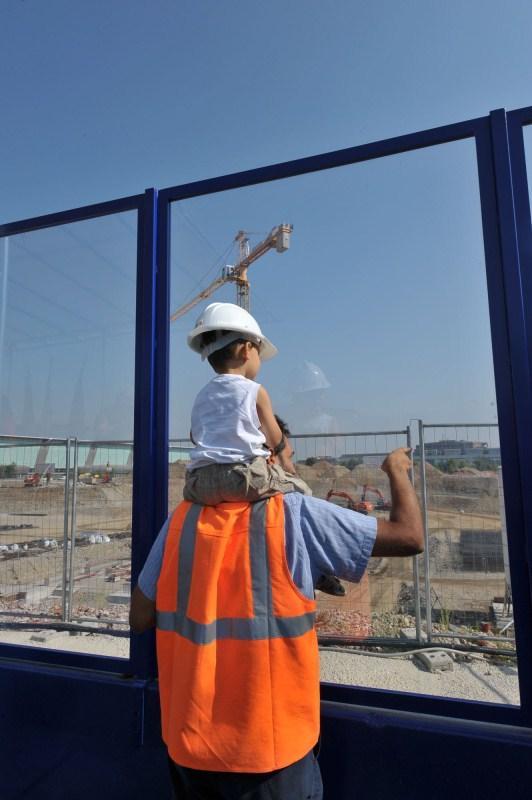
(268, 423)
(270, 428)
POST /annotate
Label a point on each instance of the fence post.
(424, 510)
(72, 530)
(415, 559)
(65, 531)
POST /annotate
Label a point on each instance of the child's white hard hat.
(232, 318)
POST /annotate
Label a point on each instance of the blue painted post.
(512, 377)
(162, 378)
(144, 520)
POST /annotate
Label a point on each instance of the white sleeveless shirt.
(225, 424)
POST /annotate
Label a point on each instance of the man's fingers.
(400, 457)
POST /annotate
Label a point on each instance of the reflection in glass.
(379, 309)
(67, 333)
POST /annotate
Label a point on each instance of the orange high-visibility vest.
(236, 646)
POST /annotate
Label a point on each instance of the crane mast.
(278, 238)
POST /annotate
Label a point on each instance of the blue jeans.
(298, 781)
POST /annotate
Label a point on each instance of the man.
(231, 590)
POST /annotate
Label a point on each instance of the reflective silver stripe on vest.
(264, 624)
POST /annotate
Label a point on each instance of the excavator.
(382, 504)
(363, 506)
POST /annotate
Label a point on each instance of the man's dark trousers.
(299, 781)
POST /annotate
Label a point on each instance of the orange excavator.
(382, 504)
(363, 506)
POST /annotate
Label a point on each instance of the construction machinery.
(91, 479)
(41, 471)
(278, 239)
(382, 504)
(32, 479)
(362, 506)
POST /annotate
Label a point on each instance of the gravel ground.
(93, 643)
(480, 679)
(483, 679)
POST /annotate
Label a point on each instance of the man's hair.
(285, 430)
(219, 358)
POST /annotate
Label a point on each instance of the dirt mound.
(176, 481)
(177, 469)
(478, 483)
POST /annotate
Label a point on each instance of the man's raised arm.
(402, 534)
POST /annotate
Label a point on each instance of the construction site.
(66, 505)
(65, 547)
(416, 343)
(66, 519)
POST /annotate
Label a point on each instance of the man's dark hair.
(285, 430)
(219, 358)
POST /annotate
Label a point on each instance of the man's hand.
(397, 460)
(402, 534)
(142, 612)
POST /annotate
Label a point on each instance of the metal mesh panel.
(345, 469)
(344, 464)
(32, 526)
(65, 530)
(468, 579)
(101, 558)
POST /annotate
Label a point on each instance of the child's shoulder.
(231, 380)
(227, 382)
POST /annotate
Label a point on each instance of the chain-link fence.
(464, 570)
(466, 575)
(65, 531)
(345, 469)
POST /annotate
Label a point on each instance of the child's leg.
(264, 480)
(241, 481)
(216, 483)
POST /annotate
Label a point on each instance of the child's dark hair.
(219, 358)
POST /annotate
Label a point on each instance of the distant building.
(458, 450)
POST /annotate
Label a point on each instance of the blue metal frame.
(335, 158)
(141, 660)
(508, 241)
(144, 453)
(162, 378)
(510, 360)
(72, 215)
(512, 375)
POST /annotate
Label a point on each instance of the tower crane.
(278, 238)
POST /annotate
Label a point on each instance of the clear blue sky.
(383, 287)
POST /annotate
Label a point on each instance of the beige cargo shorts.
(249, 481)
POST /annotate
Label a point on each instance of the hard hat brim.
(267, 349)
(231, 318)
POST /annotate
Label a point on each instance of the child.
(233, 426)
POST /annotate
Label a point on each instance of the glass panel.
(527, 136)
(379, 309)
(67, 334)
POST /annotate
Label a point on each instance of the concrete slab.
(435, 661)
